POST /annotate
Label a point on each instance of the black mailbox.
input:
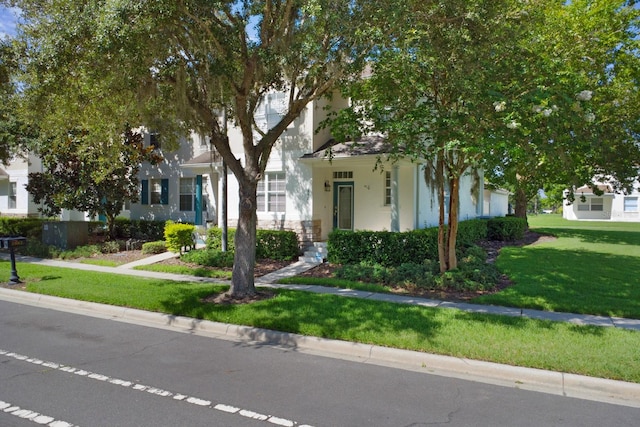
(11, 243)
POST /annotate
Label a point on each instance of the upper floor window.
(271, 193)
(154, 141)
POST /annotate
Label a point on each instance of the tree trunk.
(452, 230)
(521, 203)
(242, 279)
(442, 254)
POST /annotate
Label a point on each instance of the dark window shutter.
(144, 192)
(164, 195)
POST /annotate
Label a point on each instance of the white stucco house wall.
(14, 199)
(608, 206)
(304, 189)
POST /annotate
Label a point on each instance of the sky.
(7, 21)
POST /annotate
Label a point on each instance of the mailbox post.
(11, 243)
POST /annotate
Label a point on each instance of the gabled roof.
(367, 145)
(588, 189)
(3, 174)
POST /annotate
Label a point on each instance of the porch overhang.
(205, 161)
(3, 174)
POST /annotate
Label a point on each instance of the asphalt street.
(64, 369)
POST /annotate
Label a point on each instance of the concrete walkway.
(578, 386)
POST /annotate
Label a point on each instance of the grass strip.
(587, 350)
(186, 270)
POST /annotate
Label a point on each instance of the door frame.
(336, 187)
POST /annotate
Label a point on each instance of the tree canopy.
(94, 178)
(176, 65)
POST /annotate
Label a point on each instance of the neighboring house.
(608, 206)
(305, 189)
(14, 199)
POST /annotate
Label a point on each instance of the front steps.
(315, 254)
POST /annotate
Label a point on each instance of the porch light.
(327, 186)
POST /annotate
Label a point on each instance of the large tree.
(429, 93)
(97, 178)
(571, 88)
(175, 65)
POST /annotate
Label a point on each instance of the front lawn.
(588, 350)
(592, 268)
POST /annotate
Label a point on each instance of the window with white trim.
(155, 191)
(594, 204)
(631, 204)
(187, 193)
(387, 188)
(271, 193)
(13, 196)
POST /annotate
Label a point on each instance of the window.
(154, 141)
(13, 198)
(343, 175)
(154, 191)
(387, 188)
(631, 204)
(187, 194)
(271, 193)
(593, 204)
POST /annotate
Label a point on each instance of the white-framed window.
(13, 196)
(595, 204)
(631, 204)
(155, 191)
(343, 175)
(187, 193)
(387, 188)
(272, 193)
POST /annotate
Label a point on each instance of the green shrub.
(24, 227)
(141, 229)
(110, 247)
(276, 244)
(506, 228)
(156, 247)
(86, 251)
(36, 248)
(178, 236)
(209, 257)
(214, 238)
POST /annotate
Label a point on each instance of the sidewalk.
(577, 386)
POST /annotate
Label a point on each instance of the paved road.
(66, 369)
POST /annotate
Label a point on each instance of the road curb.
(563, 384)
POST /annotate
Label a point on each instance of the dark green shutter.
(164, 194)
(144, 196)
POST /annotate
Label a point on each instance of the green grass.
(588, 350)
(592, 268)
(190, 271)
(101, 262)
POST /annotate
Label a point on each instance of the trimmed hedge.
(506, 228)
(142, 229)
(23, 227)
(209, 258)
(389, 248)
(157, 247)
(272, 244)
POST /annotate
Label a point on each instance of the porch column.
(395, 209)
(198, 201)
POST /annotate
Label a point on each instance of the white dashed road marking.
(36, 417)
(143, 388)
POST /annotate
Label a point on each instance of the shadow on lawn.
(313, 314)
(612, 237)
(571, 281)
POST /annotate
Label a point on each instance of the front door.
(343, 205)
